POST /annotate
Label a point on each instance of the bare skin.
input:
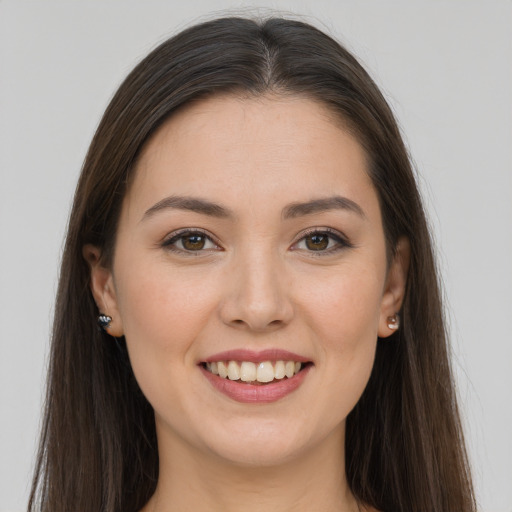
(274, 243)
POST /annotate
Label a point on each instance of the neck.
(191, 480)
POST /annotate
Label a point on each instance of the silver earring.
(394, 322)
(103, 321)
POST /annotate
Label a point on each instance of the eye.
(189, 240)
(322, 240)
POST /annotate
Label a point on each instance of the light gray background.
(446, 68)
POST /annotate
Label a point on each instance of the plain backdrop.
(446, 69)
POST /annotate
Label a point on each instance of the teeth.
(265, 372)
(233, 371)
(223, 371)
(279, 371)
(289, 368)
(247, 371)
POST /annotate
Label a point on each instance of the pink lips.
(256, 357)
(256, 393)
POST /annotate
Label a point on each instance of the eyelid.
(171, 238)
(341, 239)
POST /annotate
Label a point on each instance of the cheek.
(160, 304)
(163, 314)
(345, 321)
(345, 307)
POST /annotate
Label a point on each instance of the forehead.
(277, 147)
(294, 118)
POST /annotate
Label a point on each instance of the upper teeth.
(250, 372)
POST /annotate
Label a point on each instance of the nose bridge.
(258, 297)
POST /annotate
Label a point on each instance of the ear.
(394, 290)
(103, 290)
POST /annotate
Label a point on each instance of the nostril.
(257, 326)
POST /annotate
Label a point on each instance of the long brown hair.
(98, 451)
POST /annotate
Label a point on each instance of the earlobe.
(394, 291)
(103, 291)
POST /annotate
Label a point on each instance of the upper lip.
(256, 356)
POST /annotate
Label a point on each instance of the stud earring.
(103, 321)
(394, 322)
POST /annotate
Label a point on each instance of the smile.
(250, 372)
(256, 377)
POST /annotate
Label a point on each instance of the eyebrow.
(192, 204)
(322, 205)
(293, 210)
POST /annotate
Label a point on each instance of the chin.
(258, 455)
(268, 445)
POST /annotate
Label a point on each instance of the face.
(251, 243)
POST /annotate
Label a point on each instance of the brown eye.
(317, 242)
(322, 241)
(193, 242)
(190, 241)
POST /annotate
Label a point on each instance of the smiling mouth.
(263, 372)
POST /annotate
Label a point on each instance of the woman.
(248, 234)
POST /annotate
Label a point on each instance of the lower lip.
(260, 393)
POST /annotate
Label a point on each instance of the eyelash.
(170, 242)
(341, 242)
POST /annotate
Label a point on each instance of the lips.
(252, 377)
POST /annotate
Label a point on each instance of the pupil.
(193, 242)
(317, 242)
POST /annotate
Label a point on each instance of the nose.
(257, 295)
